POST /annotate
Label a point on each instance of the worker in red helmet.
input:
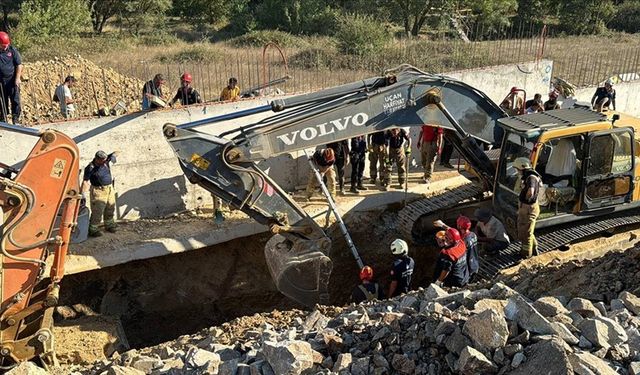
(186, 93)
(463, 224)
(323, 160)
(451, 266)
(10, 77)
(367, 290)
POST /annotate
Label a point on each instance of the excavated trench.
(162, 298)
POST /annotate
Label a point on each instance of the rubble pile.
(97, 88)
(428, 331)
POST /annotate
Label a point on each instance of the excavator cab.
(586, 163)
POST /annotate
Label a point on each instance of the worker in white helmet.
(402, 268)
(604, 97)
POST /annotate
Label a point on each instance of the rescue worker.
(402, 268)
(536, 107)
(513, 104)
(341, 151)
(97, 175)
(357, 156)
(323, 160)
(152, 89)
(451, 266)
(378, 156)
(528, 208)
(491, 232)
(529, 103)
(10, 79)
(186, 93)
(552, 103)
(604, 97)
(463, 224)
(368, 290)
(398, 152)
(429, 142)
(231, 92)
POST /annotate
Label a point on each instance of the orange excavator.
(40, 200)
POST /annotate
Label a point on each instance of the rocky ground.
(428, 331)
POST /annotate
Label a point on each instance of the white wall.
(626, 97)
(148, 178)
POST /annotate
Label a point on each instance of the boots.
(354, 190)
(401, 184)
(373, 180)
(360, 186)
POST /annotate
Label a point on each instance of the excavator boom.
(403, 97)
(43, 191)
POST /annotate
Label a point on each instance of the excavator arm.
(403, 97)
(39, 204)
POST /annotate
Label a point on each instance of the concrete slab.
(149, 238)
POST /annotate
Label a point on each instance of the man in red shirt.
(429, 142)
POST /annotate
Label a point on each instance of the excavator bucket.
(300, 268)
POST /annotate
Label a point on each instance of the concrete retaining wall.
(148, 179)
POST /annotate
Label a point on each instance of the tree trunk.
(5, 18)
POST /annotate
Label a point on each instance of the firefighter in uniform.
(378, 156)
(368, 290)
(402, 269)
(528, 207)
(323, 161)
(103, 194)
(398, 154)
(451, 266)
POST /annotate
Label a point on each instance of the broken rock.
(587, 364)
(527, 316)
(631, 301)
(488, 330)
(403, 364)
(473, 362)
(602, 332)
(583, 307)
(30, 368)
(545, 357)
(288, 357)
(549, 306)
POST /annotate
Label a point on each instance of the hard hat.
(328, 154)
(4, 39)
(186, 77)
(453, 235)
(101, 155)
(522, 163)
(399, 247)
(607, 82)
(514, 89)
(463, 222)
(440, 237)
(366, 273)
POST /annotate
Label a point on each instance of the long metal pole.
(334, 209)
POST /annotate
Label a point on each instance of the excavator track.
(408, 216)
(553, 238)
(548, 238)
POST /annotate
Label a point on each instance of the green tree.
(586, 16)
(203, 11)
(40, 20)
(102, 11)
(288, 15)
(8, 7)
(413, 14)
(138, 16)
(627, 17)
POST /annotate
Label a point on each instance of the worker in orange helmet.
(323, 160)
(451, 266)
(10, 79)
(186, 93)
(367, 290)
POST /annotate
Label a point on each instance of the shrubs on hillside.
(360, 35)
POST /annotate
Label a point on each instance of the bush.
(360, 35)
(627, 17)
(288, 15)
(158, 38)
(194, 53)
(43, 20)
(317, 58)
(262, 37)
